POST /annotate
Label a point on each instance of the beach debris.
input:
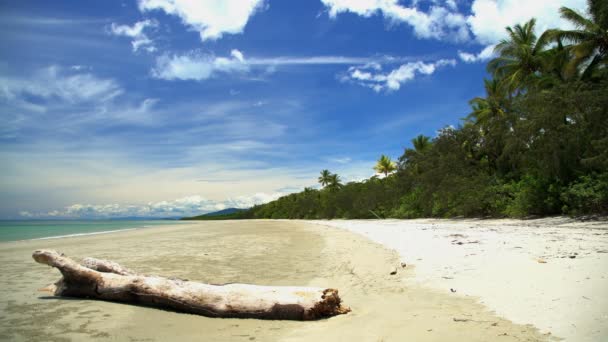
(456, 242)
(453, 291)
(572, 256)
(461, 319)
(457, 236)
(403, 265)
(393, 271)
(106, 280)
(541, 261)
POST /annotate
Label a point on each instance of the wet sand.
(385, 307)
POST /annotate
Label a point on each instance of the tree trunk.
(109, 281)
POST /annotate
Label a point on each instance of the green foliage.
(232, 216)
(531, 196)
(587, 195)
(536, 144)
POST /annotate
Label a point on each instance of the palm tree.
(486, 109)
(558, 67)
(421, 143)
(590, 38)
(334, 182)
(325, 177)
(385, 165)
(520, 56)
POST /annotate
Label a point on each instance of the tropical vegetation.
(536, 144)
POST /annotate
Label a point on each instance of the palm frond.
(573, 36)
(577, 19)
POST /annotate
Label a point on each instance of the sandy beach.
(384, 307)
(552, 273)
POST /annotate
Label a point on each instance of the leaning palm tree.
(520, 56)
(385, 165)
(589, 39)
(325, 177)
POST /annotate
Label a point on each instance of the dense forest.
(536, 144)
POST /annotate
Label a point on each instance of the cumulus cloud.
(439, 22)
(442, 20)
(483, 55)
(211, 18)
(391, 81)
(197, 66)
(489, 18)
(185, 206)
(136, 32)
(59, 83)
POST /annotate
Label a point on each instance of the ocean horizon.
(19, 230)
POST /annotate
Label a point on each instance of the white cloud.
(317, 60)
(443, 20)
(342, 160)
(483, 55)
(58, 83)
(439, 23)
(489, 18)
(393, 80)
(451, 4)
(140, 39)
(197, 66)
(238, 55)
(185, 206)
(250, 201)
(211, 18)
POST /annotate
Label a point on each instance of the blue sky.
(175, 107)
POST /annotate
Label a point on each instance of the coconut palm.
(421, 143)
(325, 177)
(385, 165)
(486, 109)
(589, 39)
(558, 67)
(520, 56)
(334, 182)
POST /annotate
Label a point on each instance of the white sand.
(384, 307)
(520, 269)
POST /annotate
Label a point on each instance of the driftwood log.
(106, 280)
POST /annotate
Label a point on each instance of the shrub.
(588, 194)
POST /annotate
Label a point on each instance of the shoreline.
(79, 234)
(550, 272)
(385, 307)
(77, 231)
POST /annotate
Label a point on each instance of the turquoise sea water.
(28, 230)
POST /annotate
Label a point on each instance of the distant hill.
(225, 214)
(227, 211)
